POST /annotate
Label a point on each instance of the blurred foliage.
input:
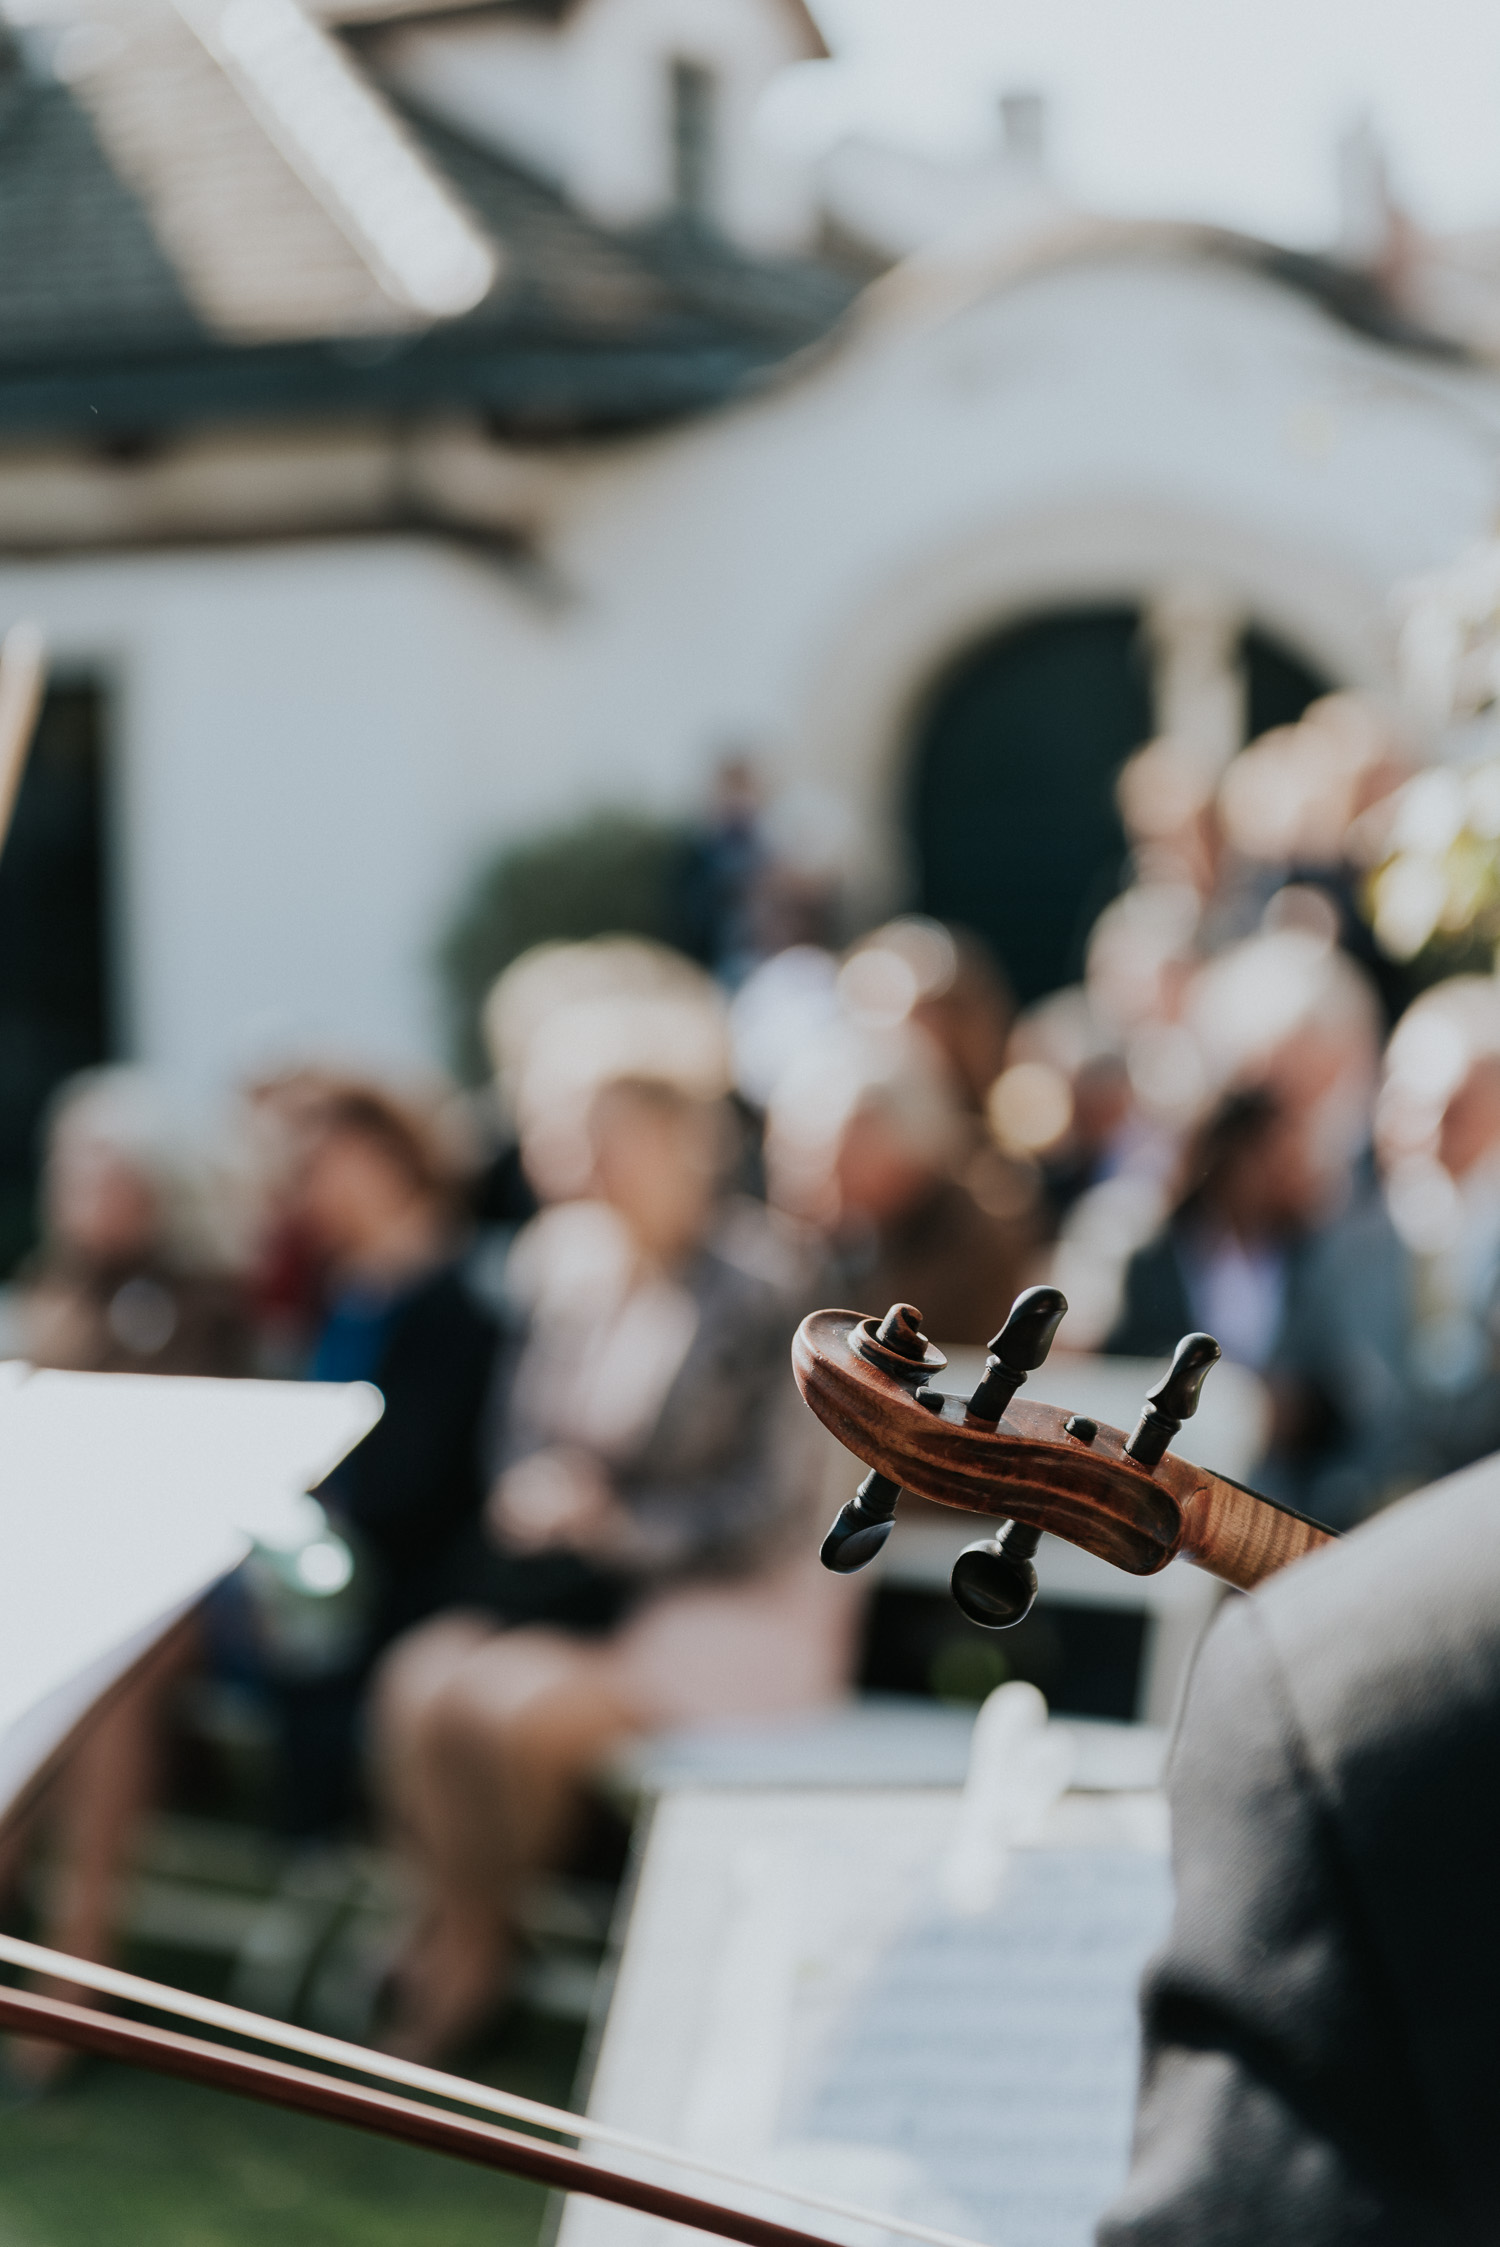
(1433, 897)
(964, 1670)
(612, 873)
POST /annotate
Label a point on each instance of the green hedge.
(612, 873)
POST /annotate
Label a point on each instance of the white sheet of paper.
(795, 2000)
(122, 1499)
(999, 2056)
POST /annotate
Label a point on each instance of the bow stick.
(276, 2084)
(91, 2031)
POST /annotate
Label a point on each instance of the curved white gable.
(316, 742)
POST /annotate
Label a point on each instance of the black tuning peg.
(1018, 1349)
(862, 1526)
(993, 1582)
(1174, 1399)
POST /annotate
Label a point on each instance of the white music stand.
(797, 1998)
(123, 1499)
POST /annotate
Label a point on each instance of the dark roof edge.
(1355, 299)
(548, 389)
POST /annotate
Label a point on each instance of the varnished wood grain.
(1240, 1537)
(1029, 1469)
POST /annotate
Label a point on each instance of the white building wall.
(796, 572)
(316, 743)
(307, 743)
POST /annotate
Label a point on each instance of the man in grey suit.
(1322, 2061)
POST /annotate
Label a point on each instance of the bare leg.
(16, 1841)
(408, 1687)
(451, 1947)
(94, 1806)
(495, 1763)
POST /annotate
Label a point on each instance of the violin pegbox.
(993, 1580)
(871, 1382)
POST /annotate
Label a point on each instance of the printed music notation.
(998, 2055)
(796, 1998)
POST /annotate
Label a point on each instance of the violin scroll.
(1126, 1499)
(994, 1582)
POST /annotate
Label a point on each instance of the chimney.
(1023, 129)
(1367, 213)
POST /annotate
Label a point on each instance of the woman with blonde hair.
(141, 1263)
(648, 1427)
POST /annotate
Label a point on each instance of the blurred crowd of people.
(590, 1510)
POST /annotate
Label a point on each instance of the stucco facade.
(314, 738)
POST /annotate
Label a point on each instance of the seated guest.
(867, 1140)
(552, 1022)
(1284, 1025)
(946, 984)
(1222, 1262)
(1392, 1344)
(647, 1427)
(377, 1198)
(135, 1274)
(136, 1271)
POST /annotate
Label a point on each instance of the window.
(693, 102)
(53, 1005)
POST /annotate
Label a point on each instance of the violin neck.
(1241, 1537)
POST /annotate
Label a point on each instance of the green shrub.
(612, 873)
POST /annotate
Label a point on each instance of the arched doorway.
(1012, 813)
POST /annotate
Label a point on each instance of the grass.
(117, 2158)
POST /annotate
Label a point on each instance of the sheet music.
(796, 2000)
(999, 2056)
(122, 1498)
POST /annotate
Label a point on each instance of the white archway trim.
(861, 710)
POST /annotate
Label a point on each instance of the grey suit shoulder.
(1322, 2057)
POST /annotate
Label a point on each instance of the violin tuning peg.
(1031, 1329)
(994, 1582)
(898, 1346)
(1018, 1349)
(1174, 1398)
(862, 1527)
(901, 1330)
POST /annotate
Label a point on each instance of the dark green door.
(53, 1003)
(1012, 807)
(1013, 811)
(1278, 685)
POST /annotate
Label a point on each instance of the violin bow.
(273, 2082)
(1125, 1498)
